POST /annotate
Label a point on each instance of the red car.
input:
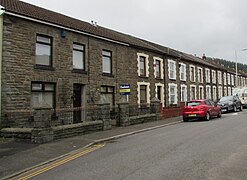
(204, 109)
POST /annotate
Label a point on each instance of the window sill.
(107, 74)
(41, 67)
(158, 78)
(80, 71)
(143, 76)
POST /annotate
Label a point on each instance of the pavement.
(17, 157)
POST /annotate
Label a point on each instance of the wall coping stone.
(16, 130)
(71, 126)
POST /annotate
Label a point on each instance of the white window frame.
(219, 77)
(219, 92)
(225, 91)
(192, 66)
(138, 91)
(229, 93)
(213, 76)
(224, 76)
(185, 95)
(199, 92)
(161, 67)
(146, 64)
(191, 91)
(162, 101)
(208, 93)
(200, 75)
(207, 74)
(180, 71)
(169, 69)
(214, 93)
(232, 79)
(228, 79)
(176, 93)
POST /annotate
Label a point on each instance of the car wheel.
(241, 108)
(185, 119)
(219, 114)
(207, 117)
(234, 108)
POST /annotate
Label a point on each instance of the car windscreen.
(194, 103)
(226, 98)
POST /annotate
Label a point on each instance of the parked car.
(230, 103)
(204, 109)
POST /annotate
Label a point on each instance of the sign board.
(124, 89)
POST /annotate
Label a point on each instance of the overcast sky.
(214, 27)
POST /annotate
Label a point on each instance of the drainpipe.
(2, 10)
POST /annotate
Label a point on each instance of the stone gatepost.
(104, 110)
(124, 119)
(42, 131)
(155, 107)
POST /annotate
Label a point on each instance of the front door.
(77, 91)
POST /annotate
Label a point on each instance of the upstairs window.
(224, 79)
(78, 57)
(219, 77)
(43, 51)
(172, 69)
(192, 73)
(157, 69)
(142, 65)
(107, 62)
(207, 75)
(182, 72)
(213, 76)
(229, 79)
(200, 75)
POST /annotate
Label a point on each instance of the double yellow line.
(70, 158)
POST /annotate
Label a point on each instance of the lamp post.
(236, 59)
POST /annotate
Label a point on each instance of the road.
(215, 149)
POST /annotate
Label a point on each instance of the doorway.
(77, 103)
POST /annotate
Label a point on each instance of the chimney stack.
(204, 57)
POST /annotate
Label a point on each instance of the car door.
(209, 107)
(214, 108)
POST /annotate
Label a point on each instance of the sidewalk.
(17, 157)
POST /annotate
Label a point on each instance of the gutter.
(2, 11)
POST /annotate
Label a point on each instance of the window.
(201, 92)
(42, 95)
(157, 69)
(200, 75)
(213, 76)
(207, 75)
(229, 91)
(182, 72)
(224, 78)
(214, 93)
(107, 62)
(225, 91)
(228, 79)
(192, 92)
(142, 65)
(208, 92)
(183, 93)
(219, 77)
(78, 57)
(192, 73)
(107, 95)
(172, 69)
(219, 92)
(43, 51)
(232, 79)
(143, 92)
(172, 93)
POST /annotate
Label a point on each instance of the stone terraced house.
(50, 60)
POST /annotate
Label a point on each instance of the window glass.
(78, 60)
(36, 86)
(143, 94)
(43, 51)
(49, 87)
(142, 66)
(107, 62)
(157, 67)
(194, 103)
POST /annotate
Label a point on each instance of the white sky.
(214, 27)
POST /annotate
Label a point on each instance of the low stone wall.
(77, 129)
(142, 119)
(19, 133)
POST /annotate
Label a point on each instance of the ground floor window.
(159, 92)
(208, 92)
(183, 93)
(42, 95)
(107, 95)
(143, 92)
(192, 92)
(201, 92)
(172, 94)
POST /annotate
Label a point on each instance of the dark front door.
(77, 91)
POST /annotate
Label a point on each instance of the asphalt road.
(215, 149)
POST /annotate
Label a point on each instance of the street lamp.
(236, 59)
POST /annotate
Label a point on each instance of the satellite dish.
(2, 10)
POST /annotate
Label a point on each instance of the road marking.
(70, 158)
